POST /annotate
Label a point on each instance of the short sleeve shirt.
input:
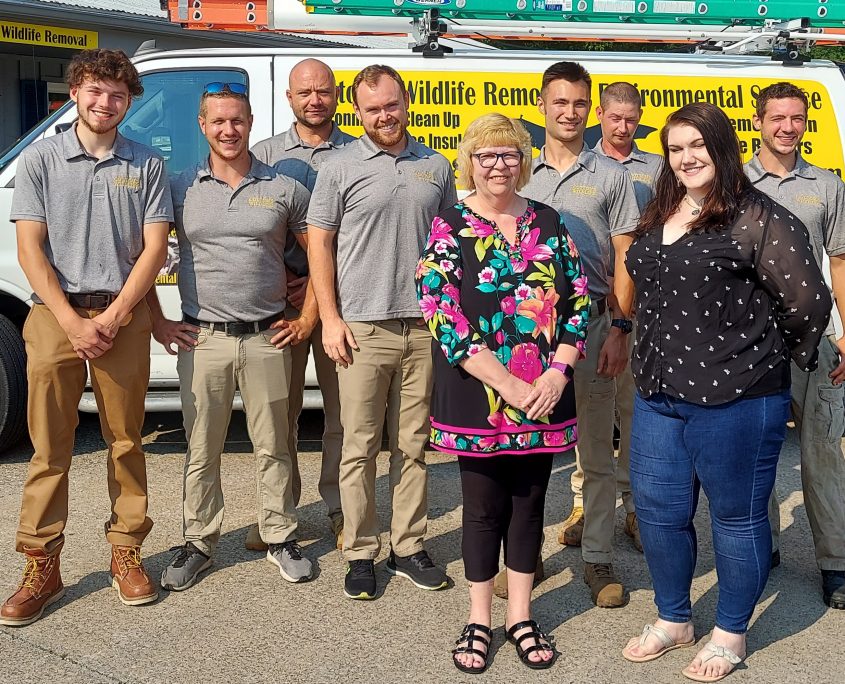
(643, 167)
(95, 209)
(815, 196)
(596, 198)
(381, 207)
(292, 157)
(232, 241)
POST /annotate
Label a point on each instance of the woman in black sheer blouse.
(727, 291)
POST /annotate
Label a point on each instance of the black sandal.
(469, 635)
(536, 635)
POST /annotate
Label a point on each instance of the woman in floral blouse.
(501, 287)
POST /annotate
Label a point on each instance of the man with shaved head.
(299, 153)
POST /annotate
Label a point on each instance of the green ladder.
(817, 13)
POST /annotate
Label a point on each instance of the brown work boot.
(632, 529)
(573, 528)
(500, 582)
(41, 585)
(607, 591)
(254, 542)
(133, 584)
(336, 521)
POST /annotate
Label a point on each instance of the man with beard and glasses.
(816, 196)
(92, 212)
(377, 197)
(299, 152)
(233, 216)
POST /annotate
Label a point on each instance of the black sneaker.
(360, 582)
(833, 588)
(419, 569)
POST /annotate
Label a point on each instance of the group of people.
(531, 288)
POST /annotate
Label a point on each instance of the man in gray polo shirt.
(817, 197)
(377, 196)
(619, 115)
(599, 207)
(233, 214)
(299, 153)
(92, 211)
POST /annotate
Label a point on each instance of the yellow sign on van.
(443, 103)
(50, 36)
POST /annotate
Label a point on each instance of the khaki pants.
(820, 418)
(624, 411)
(594, 403)
(56, 377)
(332, 431)
(391, 372)
(208, 376)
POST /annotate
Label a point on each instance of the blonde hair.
(493, 130)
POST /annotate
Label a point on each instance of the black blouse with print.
(718, 313)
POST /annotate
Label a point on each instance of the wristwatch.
(624, 324)
(567, 370)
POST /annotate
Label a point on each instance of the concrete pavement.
(243, 623)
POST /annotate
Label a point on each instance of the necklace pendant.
(695, 212)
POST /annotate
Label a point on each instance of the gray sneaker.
(288, 558)
(182, 572)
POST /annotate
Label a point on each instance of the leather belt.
(598, 307)
(234, 328)
(91, 300)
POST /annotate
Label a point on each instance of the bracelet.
(567, 370)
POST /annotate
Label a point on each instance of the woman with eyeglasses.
(501, 287)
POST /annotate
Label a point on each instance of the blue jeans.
(732, 451)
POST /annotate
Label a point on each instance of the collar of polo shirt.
(586, 160)
(72, 148)
(372, 150)
(258, 170)
(636, 153)
(293, 140)
(803, 168)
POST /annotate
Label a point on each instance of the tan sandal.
(669, 644)
(714, 652)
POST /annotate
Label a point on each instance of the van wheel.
(12, 385)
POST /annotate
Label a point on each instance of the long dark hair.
(731, 187)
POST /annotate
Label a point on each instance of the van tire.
(12, 385)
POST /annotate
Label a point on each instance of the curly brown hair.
(102, 64)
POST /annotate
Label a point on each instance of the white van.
(446, 94)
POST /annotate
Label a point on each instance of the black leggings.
(504, 497)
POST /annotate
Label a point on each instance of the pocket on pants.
(829, 418)
(361, 329)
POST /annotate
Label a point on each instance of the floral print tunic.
(520, 301)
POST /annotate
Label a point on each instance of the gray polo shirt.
(815, 196)
(292, 157)
(231, 241)
(95, 210)
(596, 198)
(382, 207)
(643, 167)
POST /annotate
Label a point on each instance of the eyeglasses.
(487, 160)
(219, 87)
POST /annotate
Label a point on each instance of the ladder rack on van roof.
(786, 29)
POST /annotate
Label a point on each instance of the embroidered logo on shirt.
(263, 202)
(588, 190)
(424, 176)
(643, 178)
(127, 182)
(808, 199)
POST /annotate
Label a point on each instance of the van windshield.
(12, 152)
